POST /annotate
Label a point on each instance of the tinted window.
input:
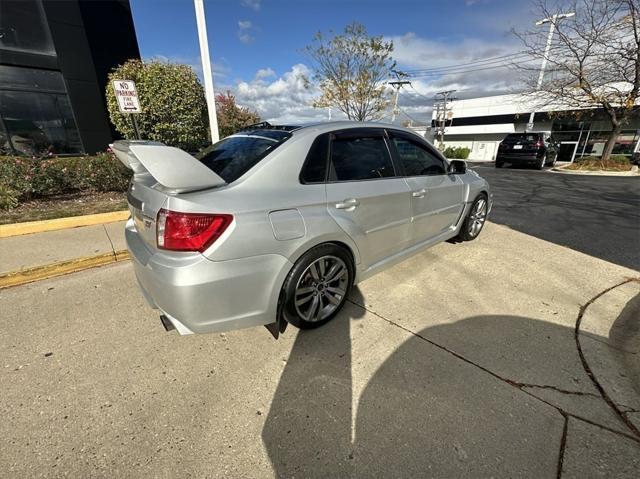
(23, 27)
(39, 123)
(522, 138)
(416, 159)
(315, 166)
(235, 155)
(360, 158)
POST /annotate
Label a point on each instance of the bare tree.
(351, 70)
(594, 61)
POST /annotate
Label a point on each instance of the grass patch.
(594, 163)
(62, 206)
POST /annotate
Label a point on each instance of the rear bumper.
(202, 296)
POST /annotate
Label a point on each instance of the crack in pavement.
(562, 412)
(113, 250)
(585, 364)
(553, 388)
(563, 445)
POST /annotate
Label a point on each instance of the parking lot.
(597, 215)
(462, 361)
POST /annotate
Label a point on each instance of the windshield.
(235, 155)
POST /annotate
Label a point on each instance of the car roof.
(328, 126)
(317, 128)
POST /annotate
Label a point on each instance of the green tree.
(174, 109)
(351, 70)
(232, 117)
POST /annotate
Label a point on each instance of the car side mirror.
(457, 167)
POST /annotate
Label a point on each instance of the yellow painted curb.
(37, 273)
(17, 229)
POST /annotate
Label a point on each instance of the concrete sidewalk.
(24, 252)
(508, 356)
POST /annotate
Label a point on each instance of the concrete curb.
(37, 273)
(562, 169)
(30, 227)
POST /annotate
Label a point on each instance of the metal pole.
(135, 125)
(552, 26)
(206, 69)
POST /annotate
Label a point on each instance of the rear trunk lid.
(160, 171)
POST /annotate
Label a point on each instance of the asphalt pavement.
(461, 362)
(597, 215)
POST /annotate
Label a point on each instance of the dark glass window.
(360, 158)
(31, 79)
(235, 155)
(315, 166)
(416, 159)
(39, 123)
(23, 27)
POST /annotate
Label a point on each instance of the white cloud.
(245, 27)
(288, 98)
(253, 4)
(264, 73)
(284, 99)
(474, 80)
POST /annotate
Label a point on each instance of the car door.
(437, 198)
(365, 195)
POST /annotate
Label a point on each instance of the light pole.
(206, 70)
(553, 21)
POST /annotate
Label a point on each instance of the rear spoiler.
(175, 169)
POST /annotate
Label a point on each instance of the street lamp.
(553, 20)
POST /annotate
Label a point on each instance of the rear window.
(522, 138)
(235, 155)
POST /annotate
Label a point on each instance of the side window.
(416, 159)
(360, 158)
(314, 169)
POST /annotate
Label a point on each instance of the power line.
(475, 62)
(457, 72)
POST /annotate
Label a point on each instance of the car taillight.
(189, 231)
(539, 144)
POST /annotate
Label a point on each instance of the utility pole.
(553, 21)
(206, 70)
(397, 85)
(443, 96)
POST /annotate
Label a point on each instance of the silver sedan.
(275, 224)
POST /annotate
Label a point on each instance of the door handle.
(348, 204)
(419, 193)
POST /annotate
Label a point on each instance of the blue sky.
(256, 45)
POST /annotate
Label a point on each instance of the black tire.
(499, 164)
(292, 313)
(543, 161)
(466, 232)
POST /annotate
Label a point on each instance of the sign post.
(127, 97)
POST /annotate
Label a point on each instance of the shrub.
(595, 163)
(456, 152)
(23, 178)
(174, 109)
(8, 198)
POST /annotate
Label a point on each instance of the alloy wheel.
(477, 217)
(321, 288)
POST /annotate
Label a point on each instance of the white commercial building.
(481, 123)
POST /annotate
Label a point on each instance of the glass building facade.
(54, 60)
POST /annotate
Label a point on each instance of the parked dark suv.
(535, 148)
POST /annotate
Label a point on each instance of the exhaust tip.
(168, 325)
